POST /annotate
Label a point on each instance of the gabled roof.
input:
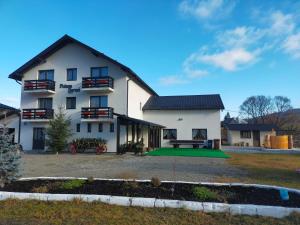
(6, 107)
(184, 102)
(251, 127)
(66, 39)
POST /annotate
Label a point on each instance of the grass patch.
(273, 169)
(189, 152)
(203, 194)
(72, 184)
(19, 212)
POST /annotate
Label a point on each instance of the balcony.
(37, 115)
(98, 84)
(39, 86)
(96, 114)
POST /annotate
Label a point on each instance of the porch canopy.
(135, 130)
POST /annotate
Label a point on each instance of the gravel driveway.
(127, 166)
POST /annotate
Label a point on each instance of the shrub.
(204, 194)
(83, 144)
(72, 184)
(58, 132)
(155, 181)
(9, 159)
(130, 185)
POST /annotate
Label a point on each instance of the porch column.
(118, 135)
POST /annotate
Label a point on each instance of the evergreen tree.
(9, 158)
(58, 132)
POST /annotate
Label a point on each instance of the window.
(245, 134)
(99, 71)
(71, 74)
(100, 127)
(46, 75)
(169, 134)
(89, 128)
(45, 103)
(98, 101)
(112, 127)
(71, 103)
(78, 127)
(199, 134)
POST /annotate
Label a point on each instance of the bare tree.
(256, 108)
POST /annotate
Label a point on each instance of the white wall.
(234, 137)
(186, 120)
(74, 56)
(137, 97)
(11, 122)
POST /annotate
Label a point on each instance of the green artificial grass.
(188, 152)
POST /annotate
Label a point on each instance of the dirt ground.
(127, 166)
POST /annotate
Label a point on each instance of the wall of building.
(137, 97)
(74, 56)
(234, 137)
(11, 121)
(186, 120)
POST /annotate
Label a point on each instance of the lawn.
(274, 169)
(189, 152)
(17, 212)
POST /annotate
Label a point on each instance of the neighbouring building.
(106, 99)
(10, 119)
(252, 135)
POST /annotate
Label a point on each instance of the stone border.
(235, 209)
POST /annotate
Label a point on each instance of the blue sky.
(235, 48)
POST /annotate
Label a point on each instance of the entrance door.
(38, 138)
(256, 138)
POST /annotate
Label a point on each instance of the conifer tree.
(58, 132)
(9, 158)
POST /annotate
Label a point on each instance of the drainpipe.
(127, 96)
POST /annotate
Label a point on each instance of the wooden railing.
(30, 85)
(32, 114)
(96, 113)
(97, 82)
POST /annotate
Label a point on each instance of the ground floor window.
(78, 127)
(89, 128)
(199, 134)
(112, 127)
(169, 134)
(245, 134)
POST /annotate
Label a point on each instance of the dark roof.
(6, 107)
(66, 39)
(137, 121)
(251, 127)
(184, 102)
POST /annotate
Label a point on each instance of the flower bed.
(186, 191)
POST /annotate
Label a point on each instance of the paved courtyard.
(127, 166)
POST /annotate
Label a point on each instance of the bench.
(194, 143)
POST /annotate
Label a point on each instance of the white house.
(106, 99)
(10, 120)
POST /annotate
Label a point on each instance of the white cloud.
(292, 45)
(10, 101)
(281, 23)
(229, 60)
(191, 68)
(206, 9)
(240, 37)
(172, 80)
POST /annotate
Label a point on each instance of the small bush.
(130, 185)
(40, 189)
(204, 194)
(72, 184)
(155, 181)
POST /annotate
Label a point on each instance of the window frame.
(243, 132)
(100, 74)
(169, 129)
(70, 98)
(40, 71)
(45, 99)
(100, 127)
(72, 69)
(78, 127)
(194, 129)
(111, 127)
(99, 101)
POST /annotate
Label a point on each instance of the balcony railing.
(98, 82)
(96, 113)
(33, 114)
(34, 85)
